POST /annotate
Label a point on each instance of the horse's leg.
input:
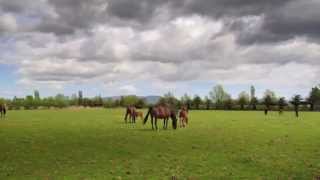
(187, 120)
(134, 119)
(184, 122)
(156, 122)
(152, 122)
(164, 123)
(167, 120)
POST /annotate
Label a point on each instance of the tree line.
(34, 101)
(218, 98)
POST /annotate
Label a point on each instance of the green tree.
(197, 101)
(269, 99)
(141, 103)
(243, 99)
(272, 95)
(74, 100)
(97, 101)
(282, 103)
(17, 103)
(109, 103)
(61, 101)
(253, 102)
(228, 103)
(117, 103)
(207, 102)
(314, 98)
(29, 102)
(45, 103)
(169, 99)
(129, 100)
(296, 101)
(186, 100)
(218, 95)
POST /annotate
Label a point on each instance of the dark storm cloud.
(132, 9)
(142, 10)
(56, 27)
(300, 18)
(13, 6)
(72, 15)
(282, 19)
(232, 8)
(292, 20)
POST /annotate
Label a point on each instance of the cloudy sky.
(149, 47)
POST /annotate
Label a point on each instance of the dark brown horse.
(3, 110)
(161, 112)
(131, 112)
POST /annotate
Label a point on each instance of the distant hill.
(112, 98)
(148, 99)
(152, 99)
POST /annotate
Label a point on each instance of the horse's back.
(162, 112)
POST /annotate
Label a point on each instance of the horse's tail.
(146, 118)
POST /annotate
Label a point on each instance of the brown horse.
(131, 111)
(183, 117)
(3, 110)
(161, 112)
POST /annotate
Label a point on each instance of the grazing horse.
(131, 111)
(161, 112)
(183, 117)
(3, 110)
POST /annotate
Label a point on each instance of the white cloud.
(8, 23)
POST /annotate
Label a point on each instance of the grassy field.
(96, 144)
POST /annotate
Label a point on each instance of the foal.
(183, 117)
(138, 114)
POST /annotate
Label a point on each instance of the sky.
(150, 47)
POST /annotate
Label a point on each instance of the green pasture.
(96, 144)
